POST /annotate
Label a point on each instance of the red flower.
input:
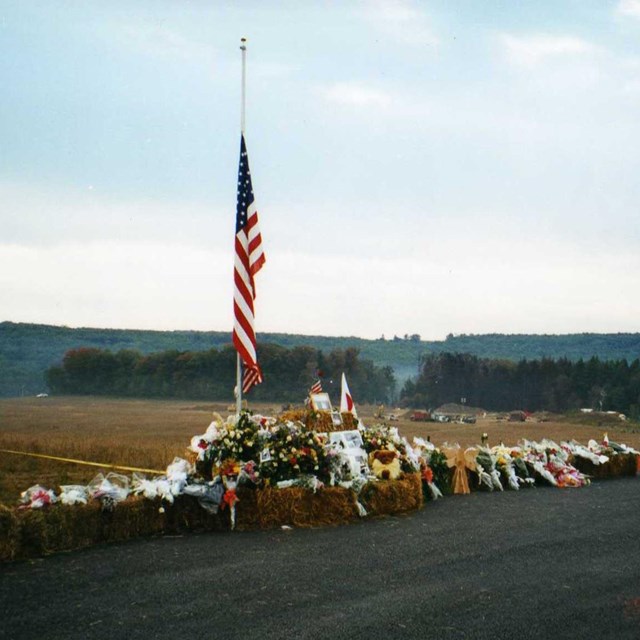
(229, 498)
(203, 444)
(293, 460)
(427, 474)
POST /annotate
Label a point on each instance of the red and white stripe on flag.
(316, 387)
(249, 259)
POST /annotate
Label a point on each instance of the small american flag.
(249, 259)
(316, 387)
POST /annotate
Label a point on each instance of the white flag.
(346, 401)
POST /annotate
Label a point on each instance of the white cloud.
(117, 284)
(456, 285)
(459, 283)
(160, 41)
(355, 95)
(401, 20)
(51, 216)
(629, 8)
(532, 50)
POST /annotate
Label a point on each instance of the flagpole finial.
(243, 48)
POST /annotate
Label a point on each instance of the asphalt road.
(542, 563)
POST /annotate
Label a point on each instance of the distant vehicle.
(469, 419)
(42, 395)
(420, 416)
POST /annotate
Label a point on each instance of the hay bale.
(276, 506)
(33, 533)
(247, 516)
(349, 422)
(320, 421)
(330, 506)
(133, 518)
(622, 464)
(9, 534)
(294, 415)
(186, 514)
(299, 507)
(57, 528)
(388, 497)
(36, 532)
(70, 527)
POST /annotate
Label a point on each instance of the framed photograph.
(321, 402)
(353, 439)
(347, 439)
(336, 418)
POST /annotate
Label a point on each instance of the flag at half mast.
(249, 259)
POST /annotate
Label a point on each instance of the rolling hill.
(28, 350)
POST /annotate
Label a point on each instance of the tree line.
(211, 374)
(533, 385)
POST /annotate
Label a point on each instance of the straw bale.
(299, 507)
(320, 421)
(294, 415)
(622, 464)
(37, 532)
(133, 518)
(9, 534)
(276, 506)
(349, 422)
(33, 533)
(393, 496)
(327, 507)
(247, 516)
(186, 514)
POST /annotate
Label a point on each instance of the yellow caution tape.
(91, 464)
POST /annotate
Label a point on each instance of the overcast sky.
(419, 167)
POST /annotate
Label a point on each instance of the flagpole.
(243, 49)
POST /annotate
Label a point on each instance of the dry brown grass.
(150, 433)
(137, 433)
(558, 428)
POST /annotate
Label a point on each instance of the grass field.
(150, 433)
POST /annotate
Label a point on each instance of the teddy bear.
(385, 464)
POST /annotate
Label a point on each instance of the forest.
(531, 385)
(207, 375)
(28, 350)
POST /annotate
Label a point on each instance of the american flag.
(249, 259)
(316, 387)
